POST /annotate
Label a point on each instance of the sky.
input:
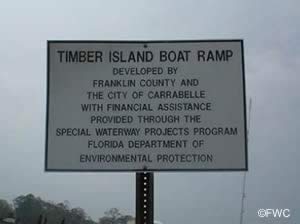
(271, 34)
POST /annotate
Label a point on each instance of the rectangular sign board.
(146, 106)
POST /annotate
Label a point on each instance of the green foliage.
(33, 210)
(113, 216)
(28, 208)
(6, 210)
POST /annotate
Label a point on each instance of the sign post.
(144, 198)
(146, 106)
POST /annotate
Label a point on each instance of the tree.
(77, 215)
(6, 210)
(33, 210)
(29, 208)
(113, 216)
(113, 213)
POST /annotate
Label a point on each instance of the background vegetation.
(30, 209)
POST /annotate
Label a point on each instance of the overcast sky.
(271, 33)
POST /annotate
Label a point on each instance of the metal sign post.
(144, 198)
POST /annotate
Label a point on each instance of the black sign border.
(49, 42)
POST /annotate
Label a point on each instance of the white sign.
(139, 105)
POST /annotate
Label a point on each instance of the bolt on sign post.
(144, 107)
